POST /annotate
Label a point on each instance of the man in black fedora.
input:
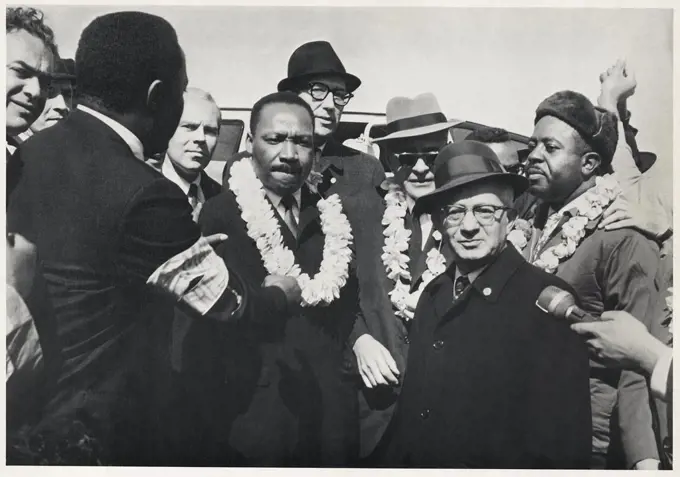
(493, 381)
(417, 130)
(317, 75)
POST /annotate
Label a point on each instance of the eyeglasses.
(410, 159)
(319, 91)
(484, 214)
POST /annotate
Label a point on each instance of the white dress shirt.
(169, 171)
(280, 208)
(126, 135)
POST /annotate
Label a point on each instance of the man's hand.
(647, 464)
(21, 264)
(619, 340)
(624, 214)
(289, 285)
(376, 365)
(618, 84)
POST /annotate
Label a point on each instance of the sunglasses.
(409, 159)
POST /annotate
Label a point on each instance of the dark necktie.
(193, 200)
(289, 204)
(462, 282)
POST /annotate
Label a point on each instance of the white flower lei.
(395, 254)
(594, 202)
(278, 259)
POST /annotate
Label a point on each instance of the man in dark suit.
(119, 246)
(191, 148)
(418, 130)
(288, 398)
(493, 381)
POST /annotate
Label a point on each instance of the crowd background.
(229, 303)
(490, 66)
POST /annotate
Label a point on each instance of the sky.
(488, 65)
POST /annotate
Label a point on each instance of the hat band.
(415, 122)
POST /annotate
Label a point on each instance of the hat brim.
(428, 202)
(351, 81)
(420, 131)
(63, 76)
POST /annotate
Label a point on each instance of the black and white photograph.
(339, 236)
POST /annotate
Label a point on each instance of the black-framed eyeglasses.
(319, 91)
(485, 214)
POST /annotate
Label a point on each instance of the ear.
(154, 95)
(590, 163)
(249, 143)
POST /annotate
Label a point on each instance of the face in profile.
(191, 147)
(29, 62)
(282, 147)
(57, 106)
(475, 218)
(412, 160)
(323, 93)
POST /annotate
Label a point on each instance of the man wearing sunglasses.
(401, 252)
(492, 381)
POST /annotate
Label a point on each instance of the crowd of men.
(310, 311)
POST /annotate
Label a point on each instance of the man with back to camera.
(118, 243)
(492, 381)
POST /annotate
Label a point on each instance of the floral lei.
(278, 259)
(588, 209)
(395, 254)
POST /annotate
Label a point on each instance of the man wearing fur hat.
(569, 169)
(401, 251)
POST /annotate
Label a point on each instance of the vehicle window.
(231, 131)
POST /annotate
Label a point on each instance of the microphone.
(561, 304)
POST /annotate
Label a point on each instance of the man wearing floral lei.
(288, 397)
(403, 252)
(569, 169)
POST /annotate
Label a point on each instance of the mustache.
(287, 168)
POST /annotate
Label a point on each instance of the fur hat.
(597, 127)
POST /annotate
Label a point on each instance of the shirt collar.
(276, 198)
(126, 135)
(472, 276)
(169, 171)
(491, 280)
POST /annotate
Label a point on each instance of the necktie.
(289, 203)
(193, 200)
(462, 282)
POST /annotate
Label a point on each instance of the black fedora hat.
(316, 58)
(464, 163)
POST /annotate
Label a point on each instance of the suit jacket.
(613, 270)
(209, 186)
(492, 382)
(289, 398)
(102, 221)
(378, 319)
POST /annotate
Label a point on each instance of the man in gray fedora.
(400, 251)
(493, 381)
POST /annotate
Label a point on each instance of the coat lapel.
(309, 212)
(419, 267)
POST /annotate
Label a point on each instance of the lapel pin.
(333, 180)
(486, 291)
